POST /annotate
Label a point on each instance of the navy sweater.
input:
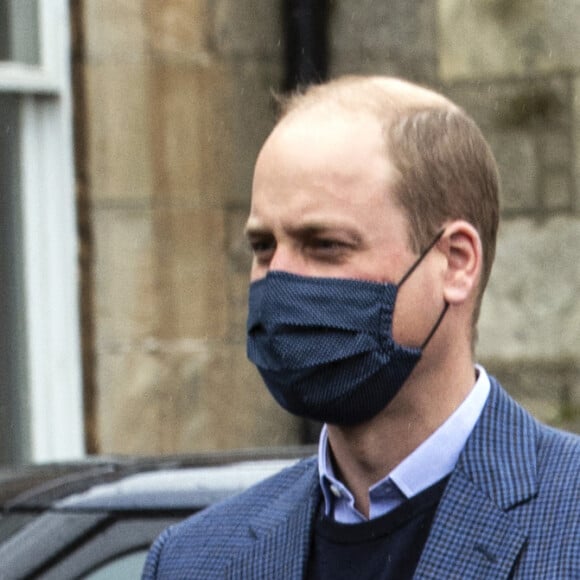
(388, 547)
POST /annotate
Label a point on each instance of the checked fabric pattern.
(511, 509)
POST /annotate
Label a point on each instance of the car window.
(11, 523)
(124, 568)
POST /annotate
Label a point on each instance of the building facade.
(172, 101)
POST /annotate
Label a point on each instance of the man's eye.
(327, 244)
(326, 248)
(262, 247)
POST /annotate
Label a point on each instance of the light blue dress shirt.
(434, 459)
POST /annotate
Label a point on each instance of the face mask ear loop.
(435, 326)
(420, 258)
(412, 269)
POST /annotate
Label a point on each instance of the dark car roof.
(170, 482)
(175, 489)
(62, 521)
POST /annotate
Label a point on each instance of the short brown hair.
(446, 168)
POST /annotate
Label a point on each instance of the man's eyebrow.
(253, 229)
(323, 228)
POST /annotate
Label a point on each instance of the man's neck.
(366, 453)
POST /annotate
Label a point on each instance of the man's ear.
(461, 245)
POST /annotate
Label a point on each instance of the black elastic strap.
(411, 270)
(436, 325)
(421, 256)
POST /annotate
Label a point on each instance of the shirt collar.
(434, 459)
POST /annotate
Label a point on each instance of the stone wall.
(515, 65)
(177, 101)
(176, 104)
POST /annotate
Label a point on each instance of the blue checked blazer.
(511, 509)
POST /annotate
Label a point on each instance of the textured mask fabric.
(324, 346)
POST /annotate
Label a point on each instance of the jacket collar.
(474, 533)
(500, 456)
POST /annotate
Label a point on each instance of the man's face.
(322, 206)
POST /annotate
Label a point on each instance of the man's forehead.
(325, 134)
(329, 115)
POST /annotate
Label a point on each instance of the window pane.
(12, 365)
(19, 31)
(128, 566)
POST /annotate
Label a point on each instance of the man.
(373, 225)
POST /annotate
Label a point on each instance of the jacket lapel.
(471, 537)
(474, 534)
(281, 534)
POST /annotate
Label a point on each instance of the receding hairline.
(381, 96)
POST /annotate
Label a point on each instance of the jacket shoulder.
(558, 457)
(205, 542)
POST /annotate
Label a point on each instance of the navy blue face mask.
(325, 347)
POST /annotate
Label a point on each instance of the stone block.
(179, 29)
(186, 396)
(236, 410)
(191, 272)
(576, 137)
(370, 33)
(537, 103)
(555, 149)
(146, 396)
(248, 28)
(557, 191)
(192, 134)
(573, 394)
(352, 65)
(499, 38)
(125, 287)
(518, 165)
(118, 133)
(238, 278)
(528, 127)
(254, 115)
(542, 386)
(114, 30)
(531, 308)
(208, 128)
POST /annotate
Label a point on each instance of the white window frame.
(51, 271)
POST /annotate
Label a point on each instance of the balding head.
(445, 169)
(375, 95)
